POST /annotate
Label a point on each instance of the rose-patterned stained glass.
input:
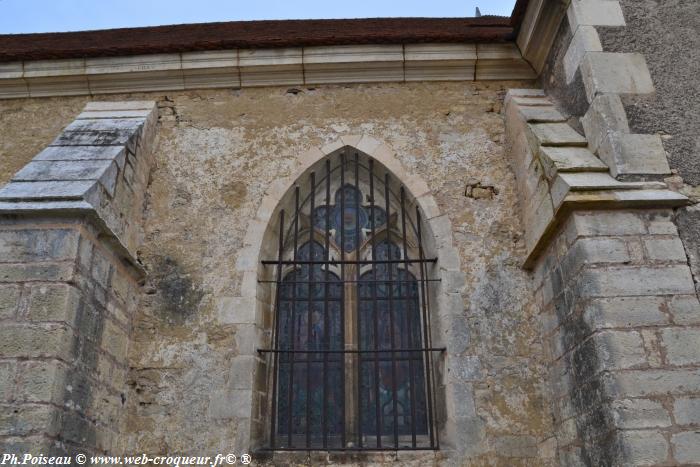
(391, 387)
(344, 215)
(310, 316)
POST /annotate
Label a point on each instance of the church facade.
(358, 242)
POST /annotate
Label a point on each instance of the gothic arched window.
(351, 361)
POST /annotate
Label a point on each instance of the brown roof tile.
(257, 34)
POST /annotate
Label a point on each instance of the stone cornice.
(263, 67)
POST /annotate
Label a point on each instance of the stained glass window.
(350, 362)
(310, 315)
(392, 382)
(344, 216)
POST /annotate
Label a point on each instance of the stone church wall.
(218, 154)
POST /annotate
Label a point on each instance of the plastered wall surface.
(217, 153)
(27, 126)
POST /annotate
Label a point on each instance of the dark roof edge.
(258, 34)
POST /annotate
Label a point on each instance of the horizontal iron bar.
(426, 349)
(369, 281)
(347, 261)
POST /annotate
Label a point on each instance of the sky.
(23, 16)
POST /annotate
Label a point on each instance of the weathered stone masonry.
(69, 225)
(572, 330)
(619, 305)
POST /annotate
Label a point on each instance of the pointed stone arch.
(254, 308)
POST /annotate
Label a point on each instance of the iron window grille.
(351, 362)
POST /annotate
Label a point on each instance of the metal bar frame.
(420, 354)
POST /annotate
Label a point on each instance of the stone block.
(467, 368)
(114, 114)
(247, 339)
(353, 63)
(53, 302)
(644, 383)
(686, 410)
(501, 61)
(115, 341)
(237, 310)
(281, 66)
(55, 190)
(241, 373)
(63, 272)
(594, 13)
(33, 341)
(523, 92)
(640, 413)
(83, 153)
(554, 134)
(634, 155)
(662, 227)
(635, 280)
(9, 301)
(105, 106)
(42, 381)
(605, 116)
(588, 251)
(100, 269)
(537, 222)
(38, 245)
(555, 160)
(103, 171)
(685, 309)
(608, 223)
(101, 136)
(615, 73)
(618, 350)
(687, 446)
(29, 419)
(664, 249)
(644, 447)
(565, 183)
(682, 345)
(585, 40)
(622, 312)
(7, 380)
(228, 404)
(541, 114)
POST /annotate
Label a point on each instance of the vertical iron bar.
(357, 307)
(309, 291)
(293, 327)
(426, 341)
(275, 357)
(407, 309)
(326, 330)
(342, 296)
(374, 307)
(391, 313)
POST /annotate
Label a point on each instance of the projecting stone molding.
(263, 67)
